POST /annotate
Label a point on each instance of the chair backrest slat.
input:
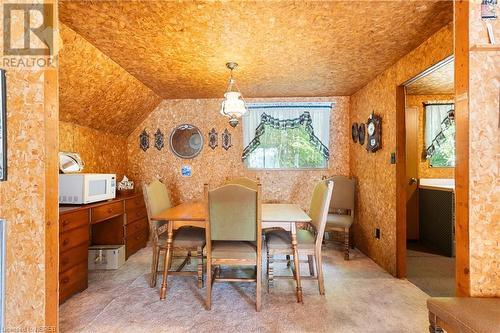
(318, 211)
(233, 213)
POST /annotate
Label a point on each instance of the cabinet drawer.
(136, 226)
(136, 213)
(134, 203)
(72, 281)
(106, 211)
(136, 242)
(73, 220)
(72, 238)
(71, 257)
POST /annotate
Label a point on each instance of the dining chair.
(233, 233)
(185, 238)
(341, 211)
(244, 181)
(309, 241)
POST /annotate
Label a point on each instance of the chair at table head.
(318, 210)
(244, 181)
(233, 213)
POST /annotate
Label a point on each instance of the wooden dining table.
(285, 216)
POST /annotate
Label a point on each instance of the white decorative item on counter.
(125, 184)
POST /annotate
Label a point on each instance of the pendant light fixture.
(233, 106)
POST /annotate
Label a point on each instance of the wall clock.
(374, 131)
(354, 132)
(361, 134)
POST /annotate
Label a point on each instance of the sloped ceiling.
(179, 49)
(96, 92)
(439, 82)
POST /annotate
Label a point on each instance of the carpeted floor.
(360, 297)
(432, 273)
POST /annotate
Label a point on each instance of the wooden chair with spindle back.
(233, 234)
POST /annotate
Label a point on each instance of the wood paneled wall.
(376, 177)
(100, 151)
(484, 162)
(28, 199)
(424, 170)
(214, 166)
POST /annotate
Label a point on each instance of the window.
(287, 135)
(440, 134)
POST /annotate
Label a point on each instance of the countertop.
(440, 184)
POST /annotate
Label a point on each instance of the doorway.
(429, 179)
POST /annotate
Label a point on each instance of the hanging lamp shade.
(233, 106)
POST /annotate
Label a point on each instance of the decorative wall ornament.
(159, 139)
(226, 140)
(144, 140)
(186, 141)
(354, 132)
(374, 129)
(212, 138)
(3, 126)
(304, 120)
(361, 134)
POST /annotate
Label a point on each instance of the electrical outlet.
(377, 233)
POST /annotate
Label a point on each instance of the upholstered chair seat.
(339, 221)
(234, 250)
(280, 239)
(188, 237)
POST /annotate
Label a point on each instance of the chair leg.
(346, 244)
(270, 258)
(258, 287)
(208, 300)
(154, 266)
(310, 260)
(319, 267)
(188, 261)
(200, 266)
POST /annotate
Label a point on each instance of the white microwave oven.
(84, 188)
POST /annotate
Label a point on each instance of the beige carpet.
(360, 297)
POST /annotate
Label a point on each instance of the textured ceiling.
(96, 92)
(304, 48)
(439, 82)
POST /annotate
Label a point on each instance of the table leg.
(166, 262)
(296, 262)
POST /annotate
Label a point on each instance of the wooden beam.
(461, 33)
(400, 182)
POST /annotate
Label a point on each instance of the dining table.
(274, 215)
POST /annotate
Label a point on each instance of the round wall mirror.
(186, 141)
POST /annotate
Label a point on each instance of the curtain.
(438, 117)
(319, 111)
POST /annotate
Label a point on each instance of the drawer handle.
(110, 210)
(66, 241)
(65, 223)
(65, 280)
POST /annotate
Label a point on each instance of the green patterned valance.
(304, 120)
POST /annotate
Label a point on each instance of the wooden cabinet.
(73, 244)
(136, 225)
(119, 221)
